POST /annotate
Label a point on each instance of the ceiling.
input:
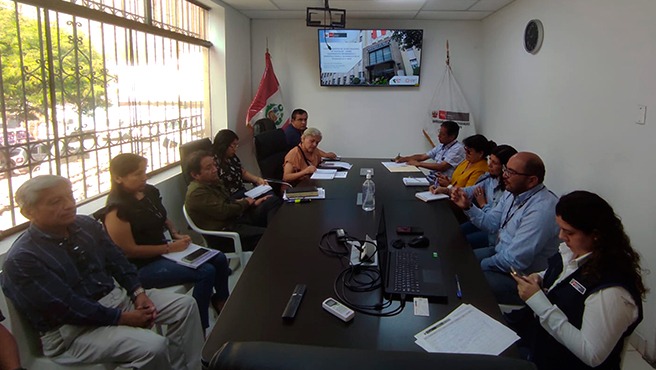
(378, 9)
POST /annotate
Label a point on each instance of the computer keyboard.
(405, 276)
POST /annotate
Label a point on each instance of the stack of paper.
(333, 164)
(190, 257)
(415, 181)
(257, 191)
(427, 196)
(320, 194)
(466, 330)
(400, 167)
(321, 174)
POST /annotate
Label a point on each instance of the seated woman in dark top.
(136, 221)
(233, 175)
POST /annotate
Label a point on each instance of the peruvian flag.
(268, 100)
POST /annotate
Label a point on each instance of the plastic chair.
(29, 346)
(242, 255)
(188, 148)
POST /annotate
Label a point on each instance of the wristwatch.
(136, 292)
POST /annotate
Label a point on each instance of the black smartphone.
(191, 257)
(409, 230)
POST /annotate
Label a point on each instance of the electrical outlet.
(642, 114)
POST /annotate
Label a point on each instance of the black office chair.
(270, 150)
(190, 147)
(277, 356)
(263, 124)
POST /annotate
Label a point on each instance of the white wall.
(575, 103)
(367, 122)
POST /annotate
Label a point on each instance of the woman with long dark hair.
(136, 220)
(230, 169)
(589, 299)
(485, 194)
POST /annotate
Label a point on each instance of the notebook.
(408, 271)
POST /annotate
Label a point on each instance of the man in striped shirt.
(61, 275)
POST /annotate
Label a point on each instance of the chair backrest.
(270, 356)
(263, 124)
(190, 147)
(270, 150)
(225, 241)
(27, 339)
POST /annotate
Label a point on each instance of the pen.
(299, 200)
(459, 291)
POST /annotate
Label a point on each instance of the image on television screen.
(370, 57)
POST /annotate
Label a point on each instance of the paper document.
(400, 167)
(415, 181)
(322, 195)
(341, 174)
(336, 165)
(427, 196)
(466, 330)
(188, 257)
(257, 191)
(321, 174)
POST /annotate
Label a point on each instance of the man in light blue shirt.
(447, 155)
(525, 221)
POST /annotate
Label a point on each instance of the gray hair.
(29, 193)
(311, 131)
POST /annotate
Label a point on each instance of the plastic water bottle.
(368, 194)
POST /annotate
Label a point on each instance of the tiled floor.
(633, 359)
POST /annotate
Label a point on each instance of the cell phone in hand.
(515, 273)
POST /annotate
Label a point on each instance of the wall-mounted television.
(375, 57)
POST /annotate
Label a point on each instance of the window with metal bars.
(82, 81)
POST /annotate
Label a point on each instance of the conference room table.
(289, 254)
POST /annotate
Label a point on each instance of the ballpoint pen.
(458, 291)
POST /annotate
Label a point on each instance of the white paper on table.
(323, 174)
(321, 191)
(341, 174)
(466, 330)
(400, 167)
(415, 181)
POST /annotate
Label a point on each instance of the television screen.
(370, 57)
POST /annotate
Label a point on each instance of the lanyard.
(508, 218)
(304, 157)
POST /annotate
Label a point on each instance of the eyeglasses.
(510, 172)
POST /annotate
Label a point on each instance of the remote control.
(294, 302)
(342, 312)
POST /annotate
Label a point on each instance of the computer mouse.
(419, 242)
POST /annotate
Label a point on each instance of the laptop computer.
(409, 272)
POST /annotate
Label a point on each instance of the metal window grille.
(80, 84)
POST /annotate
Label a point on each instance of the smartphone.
(409, 230)
(515, 273)
(191, 257)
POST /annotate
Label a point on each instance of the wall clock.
(533, 34)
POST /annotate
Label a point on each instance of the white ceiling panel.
(463, 16)
(251, 4)
(385, 9)
(448, 5)
(378, 15)
(490, 5)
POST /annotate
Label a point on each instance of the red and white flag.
(268, 100)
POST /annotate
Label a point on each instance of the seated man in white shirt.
(447, 155)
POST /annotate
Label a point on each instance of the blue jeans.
(210, 277)
(503, 285)
(476, 237)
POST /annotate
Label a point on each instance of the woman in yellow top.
(477, 148)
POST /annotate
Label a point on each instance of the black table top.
(289, 254)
